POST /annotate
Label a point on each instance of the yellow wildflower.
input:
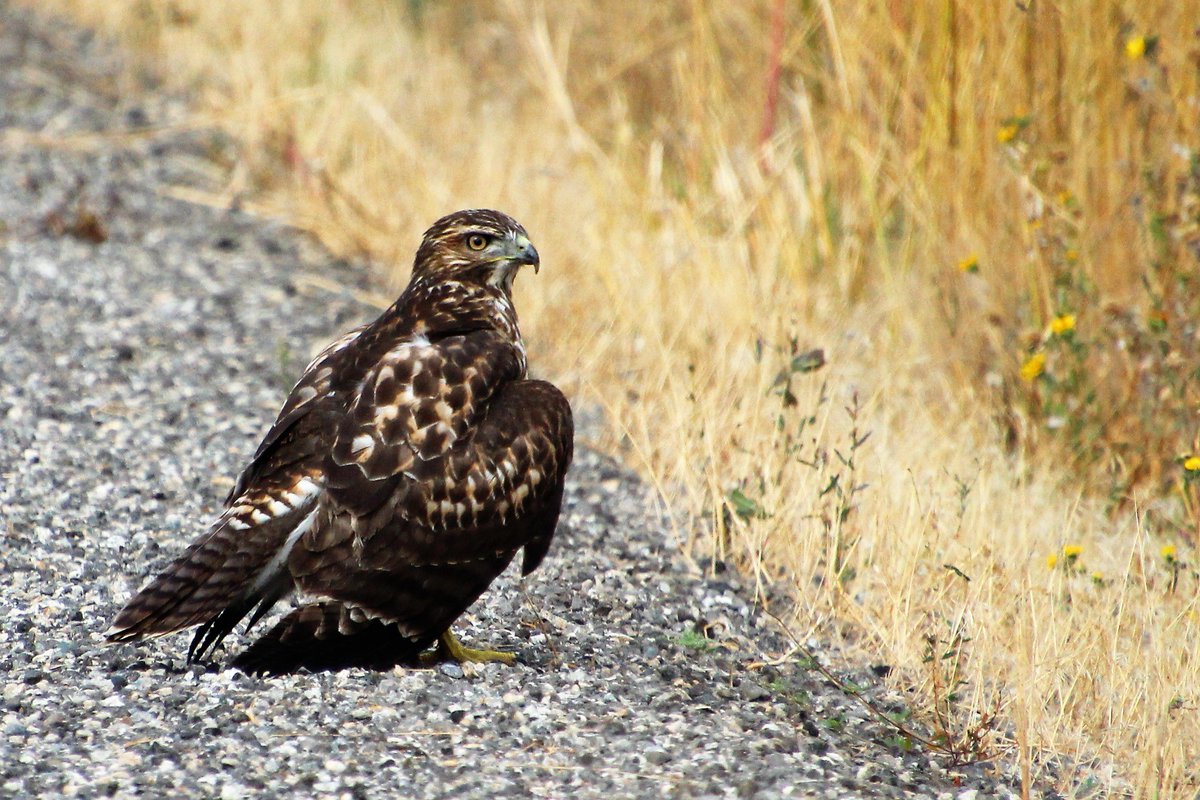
(1097, 578)
(1034, 366)
(1052, 560)
(1192, 464)
(1135, 47)
(1065, 198)
(1072, 551)
(1072, 255)
(1007, 133)
(1062, 324)
(969, 264)
(1168, 553)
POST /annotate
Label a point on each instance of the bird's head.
(477, 246)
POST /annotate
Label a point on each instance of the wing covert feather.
(419, 401)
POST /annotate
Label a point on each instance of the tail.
(195, 588)
(328, 636)
(217, 581)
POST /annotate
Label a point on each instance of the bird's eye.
(477, 241)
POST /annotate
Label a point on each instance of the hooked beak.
(522, 251)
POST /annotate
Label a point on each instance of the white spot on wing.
(384, 414)
(304, 394)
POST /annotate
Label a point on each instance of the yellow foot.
(450, 648)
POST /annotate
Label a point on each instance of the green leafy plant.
(695, 640)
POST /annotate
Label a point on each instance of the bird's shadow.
(532, 658)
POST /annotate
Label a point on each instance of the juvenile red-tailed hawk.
(406, 468)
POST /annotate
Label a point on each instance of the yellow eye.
(477, 241)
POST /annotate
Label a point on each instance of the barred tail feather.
(184, 594)
(238, 564)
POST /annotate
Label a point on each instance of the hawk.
(407, 467)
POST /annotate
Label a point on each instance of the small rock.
(450, 669)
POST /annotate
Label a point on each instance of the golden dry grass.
(687, 262)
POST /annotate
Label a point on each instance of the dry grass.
(687, 262)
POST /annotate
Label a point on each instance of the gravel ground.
(146, 343)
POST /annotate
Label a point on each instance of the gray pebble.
(450, 670)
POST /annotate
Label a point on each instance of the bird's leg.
(450, 648)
